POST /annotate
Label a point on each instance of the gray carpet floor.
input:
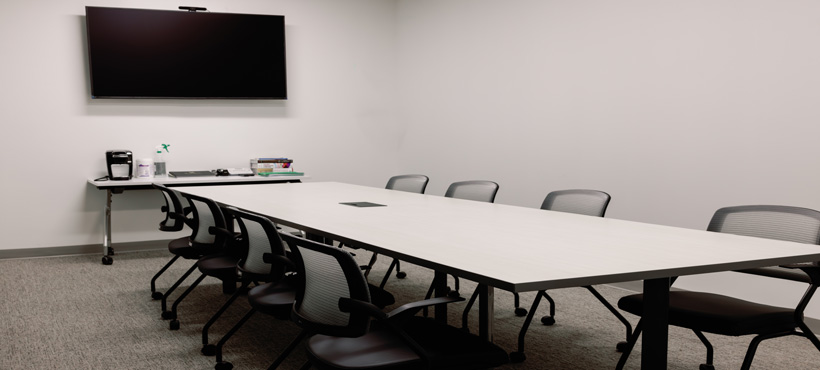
(74, 313)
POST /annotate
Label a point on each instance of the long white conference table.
(512, 248)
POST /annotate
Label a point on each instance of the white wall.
(676, 108)
(338, 123)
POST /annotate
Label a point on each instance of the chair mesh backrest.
(327, 274)
(801, 225)
(204, 220)
(206, 213)
(169, 202)
(260, 236)
(478, 190)
(583, 202)
(173, 205)
(408, 183)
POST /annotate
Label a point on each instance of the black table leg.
(440, 290)
(486, 311)
(655, 321)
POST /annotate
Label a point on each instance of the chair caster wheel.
(208, 350)
(168, 315)
(548, 320)
(520, 311)
(517, 357)
(175, 325)
(621, 346)
(401, 274)
(453, 294)
(224, 365)
(107, 260)
(706, 367)
(156, 296)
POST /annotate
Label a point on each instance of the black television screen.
(141, 53)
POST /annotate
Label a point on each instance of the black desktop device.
(119, 164)
(191, 173)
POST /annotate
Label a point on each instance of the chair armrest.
(812, 269)
(351, 305)
(213, 230)
(810, 274)
(176, 216)
(408, 310)
(277, 258)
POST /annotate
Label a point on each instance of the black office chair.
(718, 314)
(202, 242)
(411, 184)
(266, 261)
(348, 332)
(579, 201)
(225, 252)
(175, 217)
(477, 190)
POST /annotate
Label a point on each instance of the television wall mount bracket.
(192, 9)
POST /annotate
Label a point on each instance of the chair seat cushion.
(274, 299)
(377, 349)
(182, 248)
(221, 266)
(719, 314)
(448, 347)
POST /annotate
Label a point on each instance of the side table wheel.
(107, 260)
(621, 346)
(156, 296)
(548, 320)
(519, 311)
(517, 357)
(401, 274)
(174, 325)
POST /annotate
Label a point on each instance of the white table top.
(509, 247)
(171, 181)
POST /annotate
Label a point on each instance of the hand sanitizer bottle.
(159, 161)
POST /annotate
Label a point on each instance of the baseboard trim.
(82, 249)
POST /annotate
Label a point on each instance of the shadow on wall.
(239, 108)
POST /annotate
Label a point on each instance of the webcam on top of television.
(192, 8)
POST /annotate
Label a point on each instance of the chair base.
(224, 365)
(208, 350)
(517, 357)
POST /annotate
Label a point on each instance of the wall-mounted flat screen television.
(168, 54)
